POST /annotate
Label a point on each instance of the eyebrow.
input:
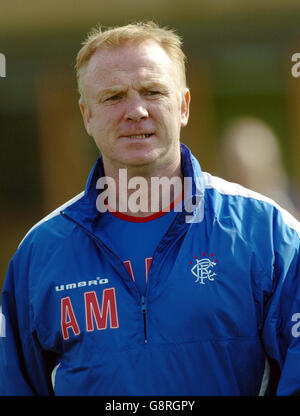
(117, 89)
(152, 84)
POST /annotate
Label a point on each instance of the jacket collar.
(84, 211)
(194, 192)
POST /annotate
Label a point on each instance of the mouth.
(138, 136)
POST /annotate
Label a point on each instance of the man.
(200, 297)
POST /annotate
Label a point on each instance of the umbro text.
(83, 283)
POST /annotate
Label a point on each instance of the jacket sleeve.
(281, 331)
(25, 368)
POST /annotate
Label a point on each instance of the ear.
(85, 112)
(185, 107)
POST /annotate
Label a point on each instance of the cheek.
(172, 116)
(166, 113)
(102, 122)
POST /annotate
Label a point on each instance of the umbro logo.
(204, 268)
(84, 283)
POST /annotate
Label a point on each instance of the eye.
(114, 97)
(153, 93)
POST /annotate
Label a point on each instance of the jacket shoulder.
(51, 224)
(243, 204)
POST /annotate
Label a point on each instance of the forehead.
(145, 60)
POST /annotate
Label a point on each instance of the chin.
(139, 159)
(138, 162)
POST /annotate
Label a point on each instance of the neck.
(140, 194)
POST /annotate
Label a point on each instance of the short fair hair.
(114, 37)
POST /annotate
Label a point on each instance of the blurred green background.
(239, 71)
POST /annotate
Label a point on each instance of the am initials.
(94, 314)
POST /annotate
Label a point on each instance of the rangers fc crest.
(204, 268)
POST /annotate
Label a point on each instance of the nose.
(136, 109)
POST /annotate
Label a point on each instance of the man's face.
(134, 107)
